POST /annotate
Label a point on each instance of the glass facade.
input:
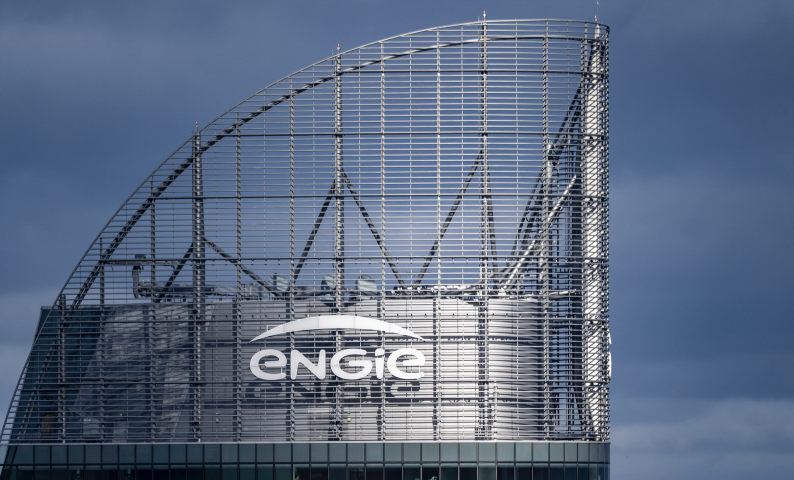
(309, 461)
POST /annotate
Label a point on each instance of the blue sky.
(94, 95)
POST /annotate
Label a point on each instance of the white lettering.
(418, 362)
(280, 363)
(379, 362)
(337, 368)
(296, 358)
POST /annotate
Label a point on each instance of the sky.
(95, 95)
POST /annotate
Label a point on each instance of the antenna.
(596, 17)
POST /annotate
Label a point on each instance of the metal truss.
(453, 181)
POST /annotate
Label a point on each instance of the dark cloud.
(94, 95)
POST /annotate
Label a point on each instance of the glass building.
(389, 265)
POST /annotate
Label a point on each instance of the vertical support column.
(198, 285)
(382, 301)
(62, 365)
(543, 274)
(238, 290)
(101, 276)
(339, 225)
(293, 279)
(152, 328)
(487, 244)
(593, 243)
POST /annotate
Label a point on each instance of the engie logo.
(338, 322)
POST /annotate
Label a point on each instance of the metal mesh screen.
(452, 181)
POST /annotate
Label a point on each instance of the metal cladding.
(430, 210)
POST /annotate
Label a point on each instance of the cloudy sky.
(94, 95)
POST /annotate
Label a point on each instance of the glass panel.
(487, 471)
(60, 473)
(429, 452)
(110, 454)
(195, 454)
(229, 453)
(601, 473)
(393, 452)
(410, 452)
(195, 473)
(570, 453)
(523, 471)
(93, 454)
(556, 471)
(212, 453)
(582, 472)
(75, 473)
(393, 472)
(283, 472)
(468, 452)
(300, 452)
(264, 472)
(354, 472)
(143, 472)
(337, 452)
(540, 471)
(570, 472)
(247, 472)
(487, 452)
(42, 473)
(375, 452)
(449, 452)
(556, 452)
(247, 452)
(160, 453)
(229, 472)
(523, 452)
(605, 448)
(212, 472)
(319, 472)
(540, 452)
(504, 472)
(93, 472)
(448, 472)
(24, 456)
(127, 472)
(504, 451)
(110, 472)
(42, 454)
(429, 472)
(59, 454)
(584, 453)
(300, 472)
(411, 472)
(320, 453)
(264, 452)
(355, 452)
(593, 453)
(143, 454)
(374, 472)
(178, 472)
(282, 453)
(336, 472)
(160, 472)
(468, 472)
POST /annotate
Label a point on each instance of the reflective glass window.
(319, 472)
(429, 472)
(282, 452)
(229, 453)
(24, 456)
(355, 452)
(41, 473)
(178, 453)
(75, 473)
(60, 473)
(110, 454)
(110, 472)
(282, 472)
(487, 471)
(300, 472)
(247, 453)
(143, 472)
(393, 452)
(411, 472)
(540, 471)
(264, 452)
(160, 472)
(504, 451)
(300, 452)
(467, 472)
(556, 452)
(143, 454)
(160, 453)
(195, 473)
(337, 472)
(556, 471)
(42, 454)
(127, 454)
(93, 454)
(392, 472)
(178, 472)
(264, 472)
(337, 452)
(355, 472)
(319, 452)
(212, 453)
(584, 453)
(411, 452)
(449, 452)
(374, 472)
(93, 472)
(429, 452)
(523, 471)
(601, 473)
(571, 454)
(229, 472)
(605, 457)
(375, 452)
(448, 472)
(540, 452)
(127, 472)
(505, 472)
(59, 454)
(523, 452)
(570, 472)
(581, 472)
(593, 453)
(195, 454)
(468, 452)
(212, 472)
(487, 452)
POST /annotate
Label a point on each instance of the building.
(391, 264)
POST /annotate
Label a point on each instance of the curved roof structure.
(457, 174)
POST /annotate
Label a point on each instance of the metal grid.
(453, 181)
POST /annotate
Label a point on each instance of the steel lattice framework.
(453, 181)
